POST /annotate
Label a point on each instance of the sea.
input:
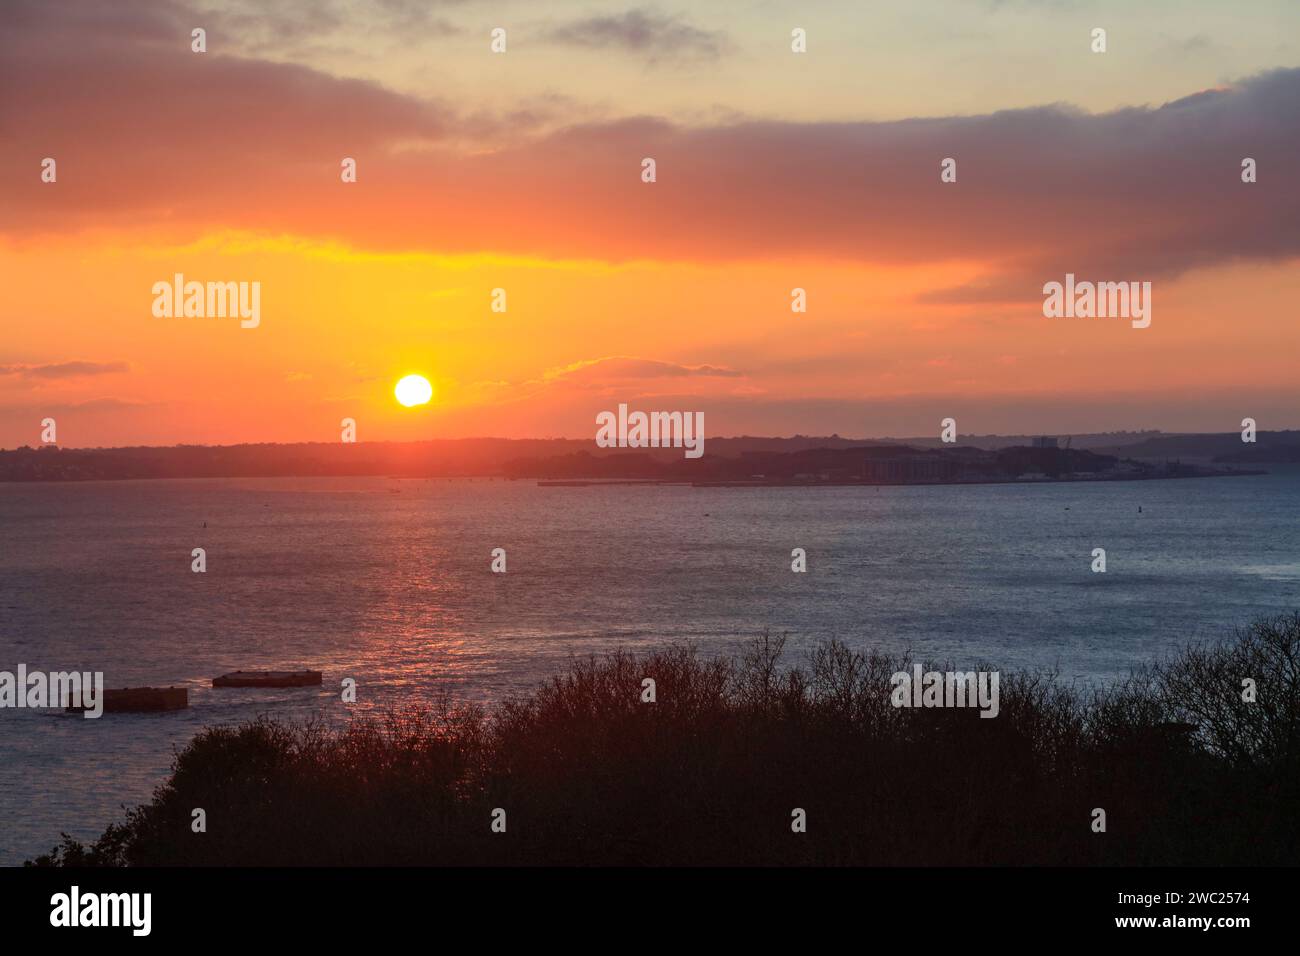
(388, 583)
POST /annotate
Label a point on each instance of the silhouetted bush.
(1187, 771)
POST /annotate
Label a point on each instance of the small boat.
(268, 679)
(129, 700)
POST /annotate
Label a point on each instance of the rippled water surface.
(388, 582)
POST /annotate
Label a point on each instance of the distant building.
(1046, 441)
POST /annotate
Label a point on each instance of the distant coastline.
(729, 462)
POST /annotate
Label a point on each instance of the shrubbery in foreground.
(710, 772)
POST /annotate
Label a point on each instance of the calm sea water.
(388, 582)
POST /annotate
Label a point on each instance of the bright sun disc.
(413, 390)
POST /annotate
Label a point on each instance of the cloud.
(62, 370)
(625, 367)
(254, 26)
(611, 374)
(118, 99)
(153, 138)
(657, 36)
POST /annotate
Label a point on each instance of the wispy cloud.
(63, 370)
(613, 373)
(657, 36)
(627, 367)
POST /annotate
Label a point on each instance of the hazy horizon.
(1136, 434)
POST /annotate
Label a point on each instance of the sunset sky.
(522, 171)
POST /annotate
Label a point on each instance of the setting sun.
(413, 390)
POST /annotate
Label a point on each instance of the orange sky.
(924, 298)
